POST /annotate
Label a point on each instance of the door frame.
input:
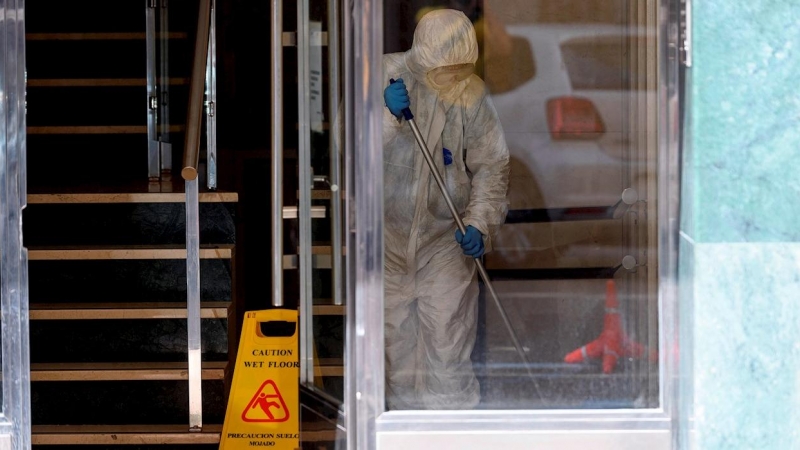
(370, 427)
(15, 420)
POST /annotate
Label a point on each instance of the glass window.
(597, 63)
(547, 146)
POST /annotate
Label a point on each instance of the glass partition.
(319, 232)
(552, 128)
(549, 151)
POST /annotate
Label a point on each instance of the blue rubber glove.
(472, 242)
(396, 97)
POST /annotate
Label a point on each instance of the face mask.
(444, 77)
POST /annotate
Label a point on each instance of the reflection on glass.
(327, 318)
(431, 291)
(574, 260)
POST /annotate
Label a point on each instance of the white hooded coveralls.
(430, 285)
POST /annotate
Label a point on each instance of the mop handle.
(460, 223)
(437, 176)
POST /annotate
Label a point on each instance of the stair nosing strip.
(99, 82)
(106, 311)
(96, 129)
(122, 198)
(125, 435)
(124, 253)
(47, 372)
(120, 36)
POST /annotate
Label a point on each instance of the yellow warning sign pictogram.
(264, 400)
(269, 402)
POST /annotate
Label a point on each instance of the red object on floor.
(612, 343)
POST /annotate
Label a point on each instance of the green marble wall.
(746, 121)
(740, 232)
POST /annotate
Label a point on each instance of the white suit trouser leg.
(431, 326)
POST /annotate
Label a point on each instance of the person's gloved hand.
(396, 97)
(472, 242)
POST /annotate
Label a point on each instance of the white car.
(566, 123)
(566, 131)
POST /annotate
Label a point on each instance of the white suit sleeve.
(488, 161)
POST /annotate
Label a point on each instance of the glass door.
(15, 418)
(558, 147)
(552, 127)
(306, 59)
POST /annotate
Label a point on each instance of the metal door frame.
(369, 426)
(15, 420)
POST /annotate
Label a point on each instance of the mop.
(460, 223)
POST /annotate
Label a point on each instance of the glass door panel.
(320, 221)
(318, 196)
(561, 111)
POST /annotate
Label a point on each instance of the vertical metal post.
(364, 399)
(16, 419)
(211, 102)
(276, 86)
(165, 147)
(193, 304)
(153, 151)
(335, 175)
(351, 395)
(675, 344)
(305, 180)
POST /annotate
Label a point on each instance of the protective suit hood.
(442, 38)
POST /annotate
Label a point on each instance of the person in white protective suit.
(430, 278)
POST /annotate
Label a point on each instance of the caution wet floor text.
(263, 408)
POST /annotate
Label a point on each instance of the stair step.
(101, 58)
(148, 371)
(102, 129)
(317, 212)
(101, 311)
(97, 82)
(85, 159)
(320, 258)
(123, 434)
(125, 280)
(149, 224)
(329, 310)
(143, 435)
(317, 431)
(129, 197)
(96, 36)
(127, 252)
(330, 367)
(318, 261)
(169, 191)
(320, 194)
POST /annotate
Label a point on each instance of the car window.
(597, 63)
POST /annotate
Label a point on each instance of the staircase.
(107, 245)
(108, 317)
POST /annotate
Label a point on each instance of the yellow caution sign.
(264, 404)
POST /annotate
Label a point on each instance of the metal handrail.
(276, 88)
(335, 156)
(153, 155)
(211, 103)
(191, 149)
